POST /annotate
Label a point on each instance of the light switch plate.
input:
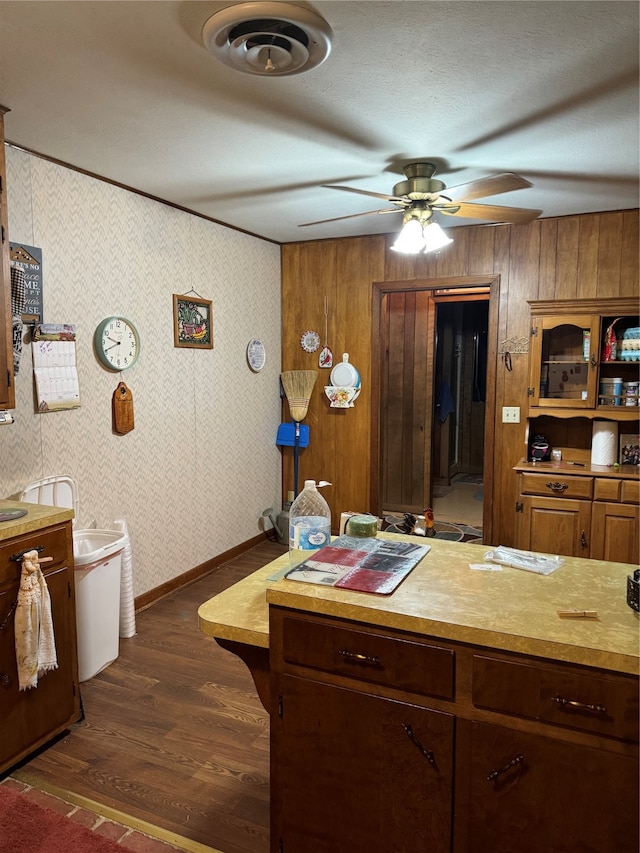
(511, 414)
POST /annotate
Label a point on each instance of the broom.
(298, 385)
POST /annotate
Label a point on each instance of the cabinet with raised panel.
(591, 512)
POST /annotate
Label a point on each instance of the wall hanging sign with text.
(29, 259)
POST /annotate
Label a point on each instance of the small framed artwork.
(630, 449)
(192, 322)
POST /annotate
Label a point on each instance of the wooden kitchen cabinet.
(585, 513)
(568, 359)
(483, 751)
(7, 392)
(32, 717)
(358, 772)
(529, 793)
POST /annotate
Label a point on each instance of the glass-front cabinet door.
(564, 361)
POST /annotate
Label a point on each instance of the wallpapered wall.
(191, 480)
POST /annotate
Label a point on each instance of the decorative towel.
(35, 642)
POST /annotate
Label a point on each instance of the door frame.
(439, 287)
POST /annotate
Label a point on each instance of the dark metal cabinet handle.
(519, 759)
(428, 754)
(581, 706)
(358, 657)
(583, 541)
(557, 487)
(5, 680)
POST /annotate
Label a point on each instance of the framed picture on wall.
(192, 321)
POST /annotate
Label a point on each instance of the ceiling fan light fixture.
(410, 240)
(271, 39)
(434, 237)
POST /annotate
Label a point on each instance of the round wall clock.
(117, 343)
(256, 355)
(310, 341)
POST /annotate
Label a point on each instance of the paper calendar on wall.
(54, 368)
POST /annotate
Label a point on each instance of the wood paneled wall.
(591, 255)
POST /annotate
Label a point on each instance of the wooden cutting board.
(122, 410)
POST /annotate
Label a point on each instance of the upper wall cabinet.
(7, 394)
(583, 360)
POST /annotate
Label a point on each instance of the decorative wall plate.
(256, 355)
(310, 341)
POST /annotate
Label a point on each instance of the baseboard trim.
(152, 596)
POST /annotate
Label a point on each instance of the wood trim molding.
(154, 595)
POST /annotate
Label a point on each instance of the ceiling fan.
(421, 195)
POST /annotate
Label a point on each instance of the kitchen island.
(461, 713)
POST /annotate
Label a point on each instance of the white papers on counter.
(56, 375)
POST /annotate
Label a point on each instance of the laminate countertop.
(37, 517)
(511, 609)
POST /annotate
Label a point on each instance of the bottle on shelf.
(309, 522)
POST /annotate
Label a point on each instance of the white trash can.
(97, 556)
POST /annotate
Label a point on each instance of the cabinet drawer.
(604, 705)
(606, 490)
(631, 491)
(400, 664)
(52, 540)
(556, 484)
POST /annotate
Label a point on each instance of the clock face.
(117, 343)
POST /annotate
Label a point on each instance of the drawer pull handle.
(519, 759)
(414, 740)
(360, 658)
(557, 487)
(581, 706)
(583, 541)
(5, 679)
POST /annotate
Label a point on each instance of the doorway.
(413, 450)
(460, 381)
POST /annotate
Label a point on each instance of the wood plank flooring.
(174, 733)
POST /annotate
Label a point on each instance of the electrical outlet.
(511, 414)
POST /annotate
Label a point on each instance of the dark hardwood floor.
(174, 733)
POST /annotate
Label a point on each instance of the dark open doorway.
(460, 379)
(404, 387)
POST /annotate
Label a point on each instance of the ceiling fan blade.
(350, 216)
(493, 185)
(393, 198)
(490, 212)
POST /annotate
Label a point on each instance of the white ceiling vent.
(270, 39)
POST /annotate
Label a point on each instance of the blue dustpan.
(286, 436)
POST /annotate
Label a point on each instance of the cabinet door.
(354, 772)
(31, 717)
(564, 361)
(531, 794)
(7, 394)
(555, 526)
(614, 532)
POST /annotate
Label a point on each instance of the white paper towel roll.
(604, 443)
(127, 606)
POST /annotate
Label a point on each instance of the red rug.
(29, 828)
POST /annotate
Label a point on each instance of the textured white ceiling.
(127, 91)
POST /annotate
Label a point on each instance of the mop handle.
(296, 448)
